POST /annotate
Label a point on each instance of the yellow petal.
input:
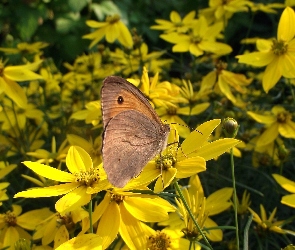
(47, 191)
(265, 119)
(218, 201)
(215, 234)
(30, 220)
(272, 74)
(15, 92)
(78, 160)
(199, 135)
(175, 17)
(131, 230)
(268, 136)
(73, 200)
(285, 183)
(190, 166)
(61, 236)
(286, 28)
(83, 242)
(109, 223)
(49, 172)
(22, 72)
(287, 129)
(258, 59)
(125, 37)
(289, 200)
(155, 209)
(216, 148)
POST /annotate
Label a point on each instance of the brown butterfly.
(133, 132)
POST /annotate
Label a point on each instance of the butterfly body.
(133, 132)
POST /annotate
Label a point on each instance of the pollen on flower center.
(10, 218)
(117, 198)
(196, 39)
(283, 117)
(279, 47)
(160, 241)
(166, 161)
(66, 220)
(113, 19)
(171, 110)
(87, 178)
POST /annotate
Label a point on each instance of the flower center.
(279, 47)
(117, 198)
(87, 178)
(10, 219)
(66, 220)
(165, 161)
(196, 39)
(283, 117)
(171, 110)
(113, 19)
(160, 241)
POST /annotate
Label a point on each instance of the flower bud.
(230, 127)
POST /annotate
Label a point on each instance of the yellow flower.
(225, 82)
(188, 159)
(166, 239)
(122, 212)
(202, 208)
(13, 224)
(278, 122)
(244, 204)
(223, 10)
(176, 24)
(16, 117)
(25, 48)
(271, 223)
(200, 40)
(160, 94)
(134, 60)
(82, 181)
(57, 228)
(288, 185)
(47, 157)
(113, 28)
(11, 74)
(278, 55)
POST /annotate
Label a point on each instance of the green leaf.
(77, 5)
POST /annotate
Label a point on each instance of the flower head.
(277, 55)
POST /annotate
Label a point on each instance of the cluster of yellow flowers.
(51, 136)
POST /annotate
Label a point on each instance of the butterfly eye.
(120, 100)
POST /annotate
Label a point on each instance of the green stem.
(235, 197)
(191, 214)
(90, 216)
(246, 232)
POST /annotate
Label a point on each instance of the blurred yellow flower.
(201, 39)
(177, 24)
(278, 55)
(271, 223)
(113, 28)
(25, 48)
(9, 75)
(13, 224)
(277, 122)
(220, 10)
